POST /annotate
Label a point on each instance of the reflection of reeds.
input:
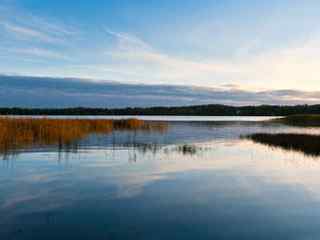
(188, 149)
(155, 148)
(19, 133)
(307, 144)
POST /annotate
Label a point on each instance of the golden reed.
(21, 133)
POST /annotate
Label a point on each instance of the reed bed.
(303, 120)
(22, 133)
(304, 143)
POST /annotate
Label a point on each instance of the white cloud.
(21, 25)
(294, 67)
(29, 40)
(128, 41)
(141, 58)
(40, 52)
(26, 32)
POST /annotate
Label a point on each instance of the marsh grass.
(307, 120)
(22, 133)
(304, 143)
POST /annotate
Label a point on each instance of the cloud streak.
(140, 57)
(38, 53)
(293, 66)
(29, 33)
(26, 91)
(25, 35)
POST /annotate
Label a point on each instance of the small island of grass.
(304, 143)
(308, 144)
(305, 120)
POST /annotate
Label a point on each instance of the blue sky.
(229, 44)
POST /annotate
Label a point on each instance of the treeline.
(200, 110)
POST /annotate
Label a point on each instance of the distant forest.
(200, 110)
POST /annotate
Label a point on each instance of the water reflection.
(158, 134)
(184, 149)
(232, 183)
(193, 181)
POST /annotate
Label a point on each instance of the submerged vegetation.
(305, 143)
(22, 133)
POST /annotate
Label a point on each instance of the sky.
(247, 46)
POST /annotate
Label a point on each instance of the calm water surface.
(164, 118)
(198, 180)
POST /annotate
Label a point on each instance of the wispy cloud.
(128, 41)
(23, 32)
(293, 66)
(40, 52)
(21, 28)
(141, 57)
(31, 44)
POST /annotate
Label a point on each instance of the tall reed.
(20, 133)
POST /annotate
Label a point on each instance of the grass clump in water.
(305, 143)
(21, 133)
(307, 120)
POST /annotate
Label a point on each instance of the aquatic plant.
(20, 133)
(306, 143)
(308, 120)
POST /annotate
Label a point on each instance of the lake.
(198, 180)
(160, 118)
